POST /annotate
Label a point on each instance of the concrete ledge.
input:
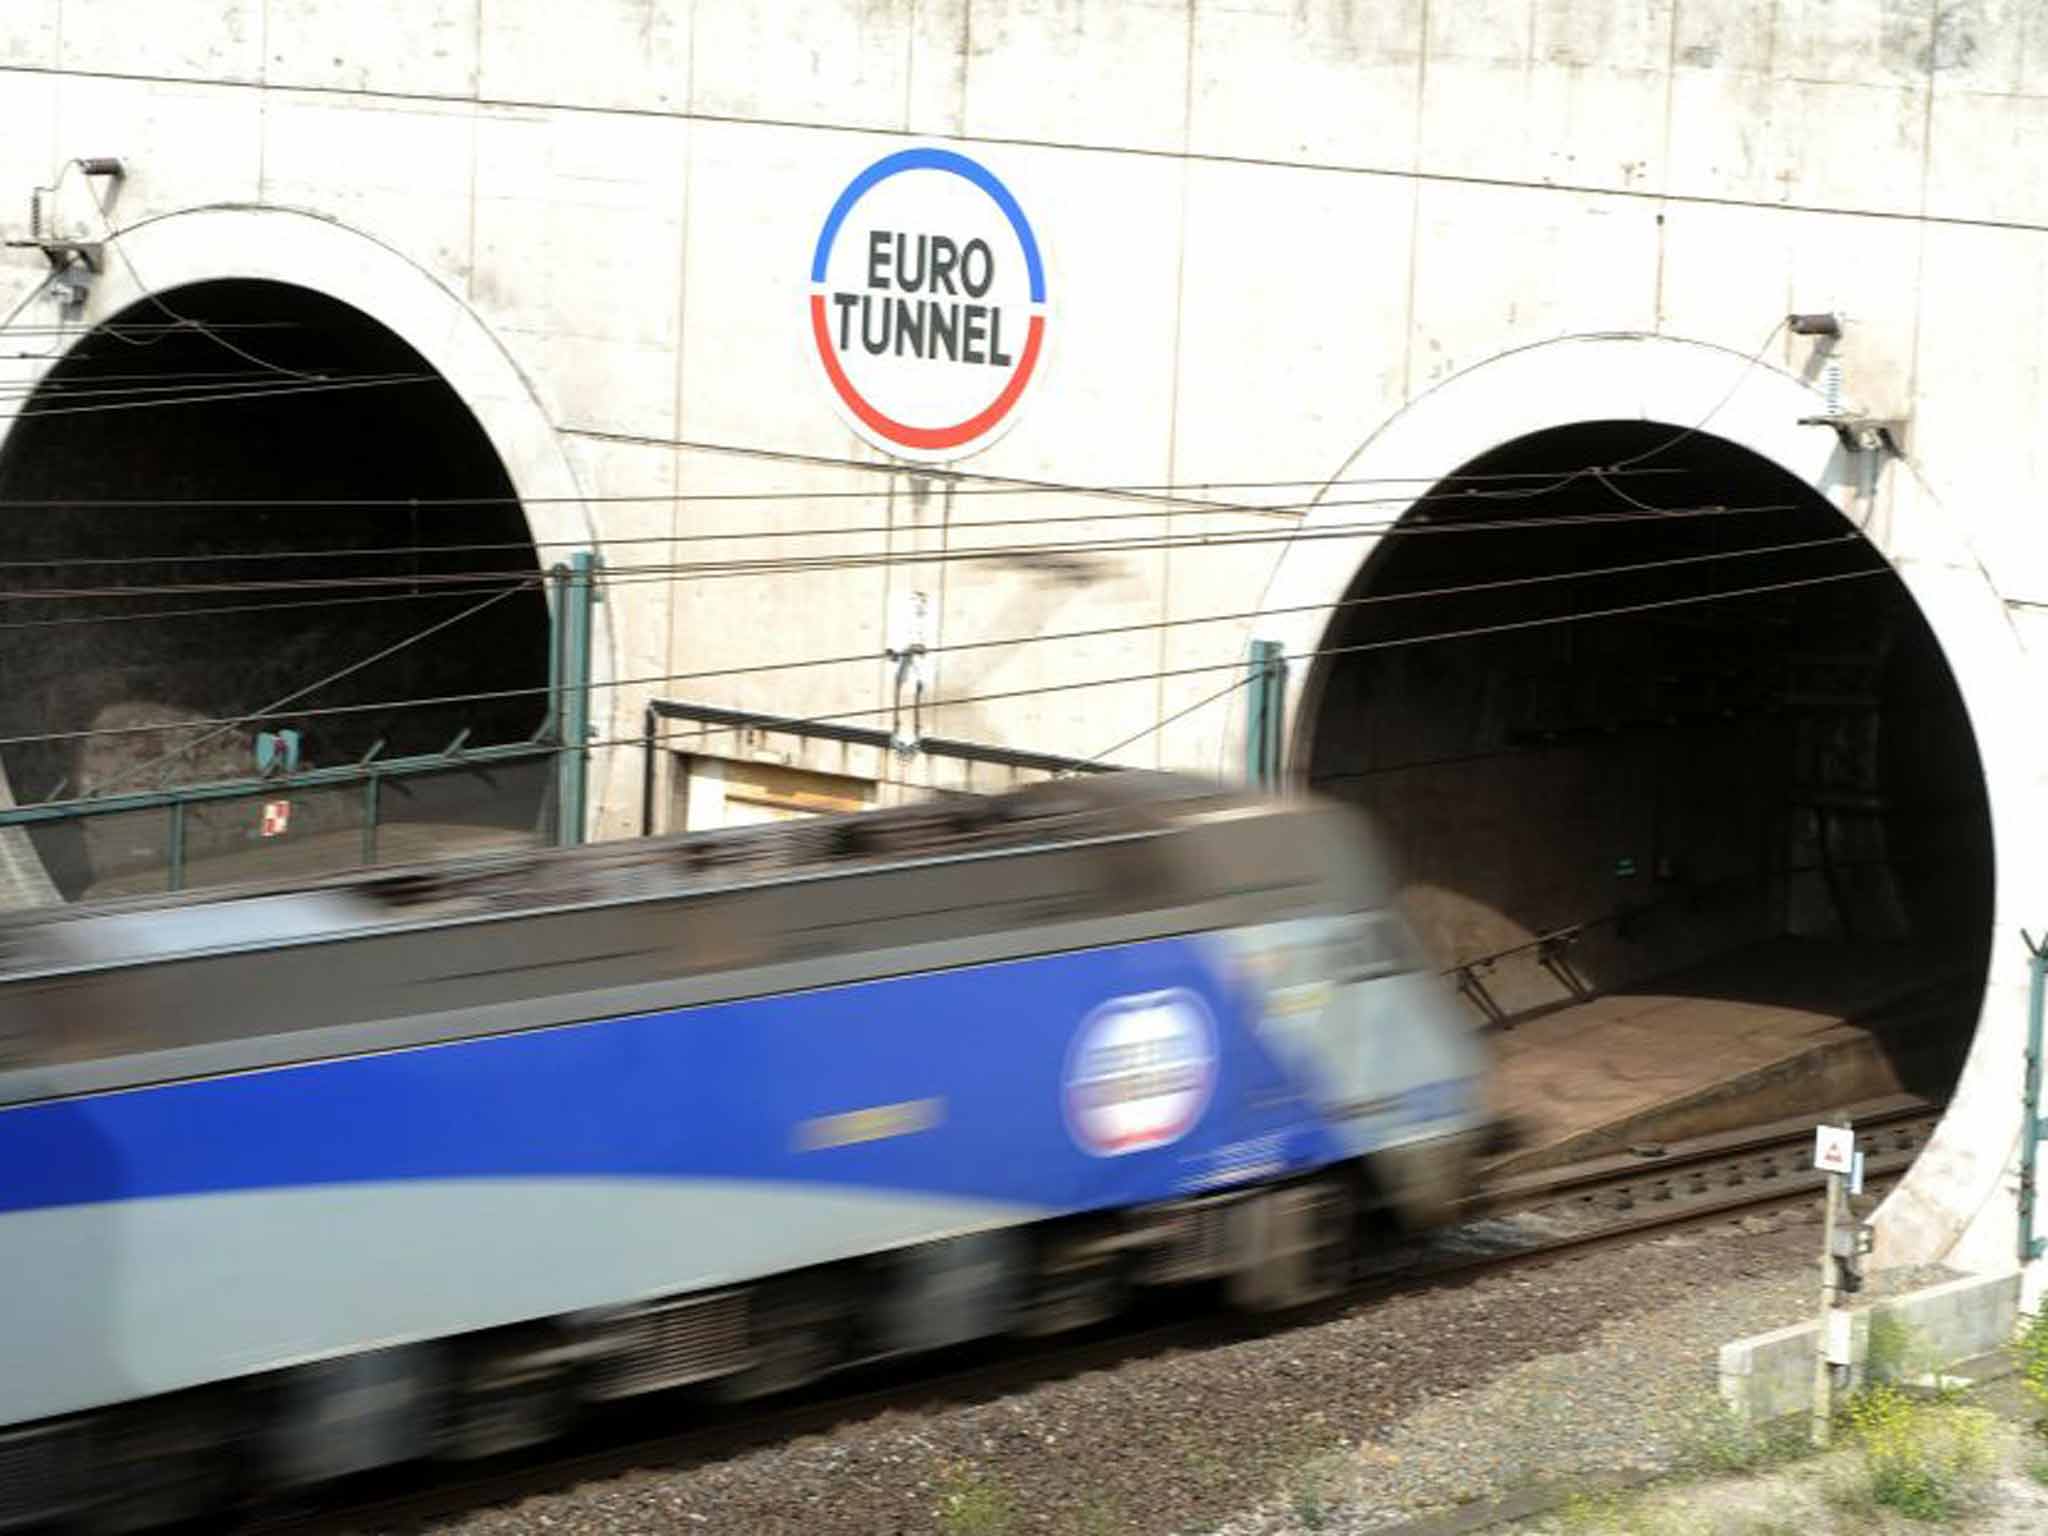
(1771, 1374)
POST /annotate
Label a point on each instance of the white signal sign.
(1834, 1148)
(277, 817)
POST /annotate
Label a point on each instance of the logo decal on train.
(1140, 1072)
(928, 304)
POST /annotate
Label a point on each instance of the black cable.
(1168, 491)
(499, 694)
(798, 565)
(264, 392)
(441, 595)
(1472, 632)
(410, 551)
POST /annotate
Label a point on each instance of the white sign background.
(932, 393)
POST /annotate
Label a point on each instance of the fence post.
(370, 799)
(1268, 684)
(2031, 1247)
(572, 761)
(175, 877)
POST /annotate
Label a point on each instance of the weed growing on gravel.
(1098, 1518)
(2033, 1349)
(1207, 1470)
(1585, 1514)
(1318, 1488)
(973, 1504)
(1718, 1439)
(1892, 1351)
(1899, 1354)
(1607, 1514)
(1924, 1462)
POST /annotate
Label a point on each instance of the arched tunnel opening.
(245, 492)
(1690, 803)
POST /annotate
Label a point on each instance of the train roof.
(141, 929)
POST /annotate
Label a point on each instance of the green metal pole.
(2031, 1247)
(176, 879)
(370, 798)
(573, 762)
(1262, 715)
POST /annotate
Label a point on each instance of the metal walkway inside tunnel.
(1777, 1030)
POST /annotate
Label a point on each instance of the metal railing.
(719, 717)
(563, 737)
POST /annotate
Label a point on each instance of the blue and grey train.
(300, 1182)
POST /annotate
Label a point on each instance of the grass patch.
(1607, 1514)
(1893, 1354)
(1926, 1462)
(1720, 1440)
(973, 1504)
(2033, 1351)
(1098, 1518)
(1317, 1488)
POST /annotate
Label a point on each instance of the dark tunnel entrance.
(1694, 817)
(305, 455)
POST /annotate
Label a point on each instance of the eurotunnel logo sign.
(928, 304)
(1140, 1072)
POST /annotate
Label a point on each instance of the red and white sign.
(1834, 1148)
(928, 304)
(277, 817)
(1140, 1072)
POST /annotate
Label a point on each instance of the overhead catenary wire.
(253, 392)
(801, 564)
(735, 535)
(699, 733)
(1173, 719)
(1633, 463)
(535, 580)
(188, 392)
(1165, 490)
(1843, 540)
(531, 580)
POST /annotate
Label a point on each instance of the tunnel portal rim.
(1949, 1202)
(161, 252)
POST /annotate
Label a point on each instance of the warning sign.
(277, 817)
(1834, 1148)
(928, 304)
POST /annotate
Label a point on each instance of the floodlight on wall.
(66, 256)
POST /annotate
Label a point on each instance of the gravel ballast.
(1402, 1406)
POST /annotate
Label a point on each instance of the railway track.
(1535, 1218)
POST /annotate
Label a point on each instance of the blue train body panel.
(953, 1083)
(160, 1237)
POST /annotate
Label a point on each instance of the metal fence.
(145, 839)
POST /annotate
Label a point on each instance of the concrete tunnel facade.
(600, 246)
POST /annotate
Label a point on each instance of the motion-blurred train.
(300, 1182)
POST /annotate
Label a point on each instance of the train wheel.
(799, 1335)
(1297, 1244)
(1081, 1296)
